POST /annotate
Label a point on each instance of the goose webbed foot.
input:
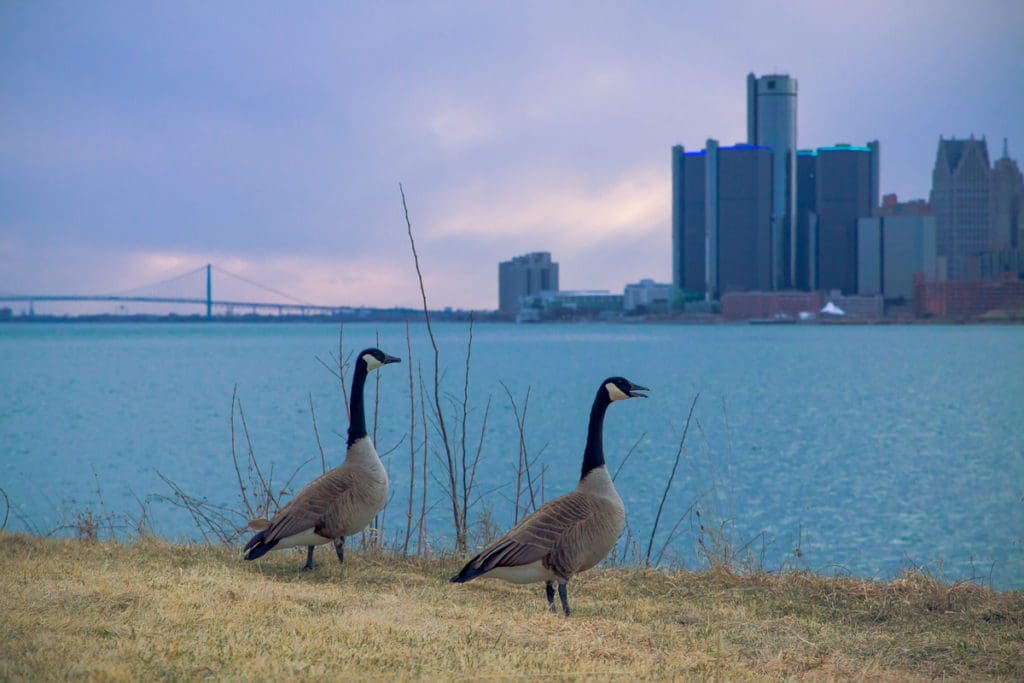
(339, 548)
(309, 559)
(563, 595)
(549, 588)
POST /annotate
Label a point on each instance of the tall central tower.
(771, 122)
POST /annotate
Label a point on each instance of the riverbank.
(73, 609)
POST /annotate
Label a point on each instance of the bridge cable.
(264, 287)
(157, 284)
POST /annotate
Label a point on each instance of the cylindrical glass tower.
(771, 122)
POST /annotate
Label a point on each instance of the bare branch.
(628, 453)
(7, 509)
(234, 459)
(312, 412)
(668, 484)
(460, 533)
(420, 547)
(412, 444)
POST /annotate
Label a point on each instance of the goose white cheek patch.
(614, 393)
(371, 362)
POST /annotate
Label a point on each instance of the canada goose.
(342, 501)
(571, 533)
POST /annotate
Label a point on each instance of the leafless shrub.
(458, 465)
(524, 476)
(257, 496)
(339, 367)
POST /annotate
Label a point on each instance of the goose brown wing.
(310, 506)
(536, 536)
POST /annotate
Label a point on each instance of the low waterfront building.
(957, 299)
(855, 306)
(584, 300)
(750, 305)
(647, 296)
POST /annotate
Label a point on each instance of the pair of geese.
(563, 537)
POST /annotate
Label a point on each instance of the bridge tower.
(209, 294)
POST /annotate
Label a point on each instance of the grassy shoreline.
(150, 609)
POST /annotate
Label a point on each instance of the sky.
(141, 140)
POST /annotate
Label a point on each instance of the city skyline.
(138, 144)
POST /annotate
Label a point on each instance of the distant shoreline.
(491, 317)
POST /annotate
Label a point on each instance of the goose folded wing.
(537, 535)
(307, 509)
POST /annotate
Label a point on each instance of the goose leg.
(563, 595)
(549, 588)
(339, 548)
(309, 559)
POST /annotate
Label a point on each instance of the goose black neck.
(593, 454)
(357, 416)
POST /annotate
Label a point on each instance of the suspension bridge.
(287, 305)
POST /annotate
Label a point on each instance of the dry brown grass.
(70, 609)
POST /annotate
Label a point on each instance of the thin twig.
(460, 533)
(628, 453)
(378, 519)
(342, 366)
(330, 369)
(420, 546)
(479, 447)
(412, 443)
(668, 484)
(323, 458)
(7, 509)
(271, 500)
(672, 532)
(465, 417)
(234, 459)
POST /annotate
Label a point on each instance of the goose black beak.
(635, 388)
(391, 359)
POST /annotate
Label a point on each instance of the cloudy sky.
(141, 140)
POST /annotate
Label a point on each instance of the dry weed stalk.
(668, 484)
(460, 533)
(459, 466)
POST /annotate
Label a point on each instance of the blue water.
(869, 448)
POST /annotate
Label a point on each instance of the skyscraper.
(805, 267)
(525, 275)
(891, 250)
(722, 217)
(771, 122)
(960, 202)
(846, 179)
(689, 226)
(1006, 220)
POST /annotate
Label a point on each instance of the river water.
(843, 449)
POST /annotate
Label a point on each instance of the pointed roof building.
(960, 202)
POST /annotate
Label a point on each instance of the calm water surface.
(870, 448)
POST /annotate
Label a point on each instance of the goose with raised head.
(571, 533)
(342, 501)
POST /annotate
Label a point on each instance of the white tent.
(831, 309)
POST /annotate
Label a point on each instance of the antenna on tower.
(1006, 149)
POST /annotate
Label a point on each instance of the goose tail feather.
(468, 573)
(257, 546)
